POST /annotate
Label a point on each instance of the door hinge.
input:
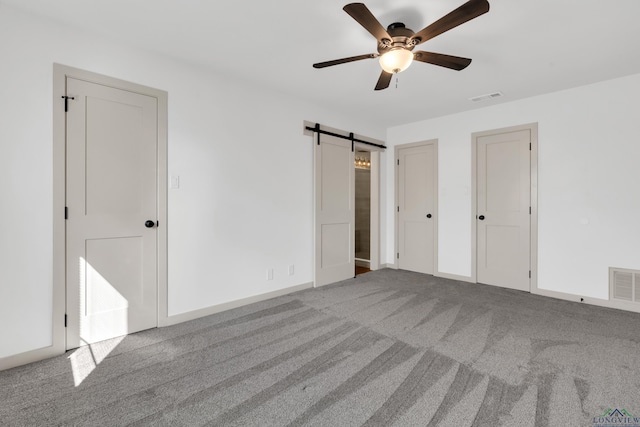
(398, 162)
(529, 210)
(66, 212)
(398, 208)
(398, 255)
(529, 146)
(66, 102)
(529, 274)
(65, 320)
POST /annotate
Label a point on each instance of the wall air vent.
(487, 96)
(624, 284)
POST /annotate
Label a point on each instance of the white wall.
(589, 149)
(245, 201)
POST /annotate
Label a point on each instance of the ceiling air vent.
(487, 96)
(624, 284)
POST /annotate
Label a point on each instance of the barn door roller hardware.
(350, 137)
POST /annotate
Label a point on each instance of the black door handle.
(149, 224)
(428, 215)
(481, 217)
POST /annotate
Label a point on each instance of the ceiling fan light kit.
(396, 43)
(396, 60)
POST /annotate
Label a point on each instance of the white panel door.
(335, 213)
(417, 178)
(111, 193)
(503, 215)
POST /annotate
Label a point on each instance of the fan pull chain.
(396, 81)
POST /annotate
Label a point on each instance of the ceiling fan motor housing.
(401, 38)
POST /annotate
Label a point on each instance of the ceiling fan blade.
(466, 12)
(344, 60)
(384, 80)
(363, 15)
(448, 61)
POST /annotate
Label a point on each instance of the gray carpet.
(387, 348)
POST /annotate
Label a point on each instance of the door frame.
(375, 192)
(533, 230)
(60, 74)
(396, 201)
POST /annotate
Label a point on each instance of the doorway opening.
(363, 212)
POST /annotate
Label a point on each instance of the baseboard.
(599, 302)
(618, 305)
(391, 266)
(191, 315)
(454, 277)
(29, 357)
(47, 352)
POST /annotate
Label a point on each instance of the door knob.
(428, 215)
(149, 224)
(481, 217)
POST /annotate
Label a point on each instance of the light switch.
(174, 182)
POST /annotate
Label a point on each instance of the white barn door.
(334, 210)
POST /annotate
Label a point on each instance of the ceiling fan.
(396, 43)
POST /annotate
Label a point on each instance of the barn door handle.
(428, 215)
(481, 217)
(149, 224)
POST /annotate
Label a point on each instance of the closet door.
(417, 188)
(334, 210)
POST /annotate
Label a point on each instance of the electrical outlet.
(291, 270)
(269, 273)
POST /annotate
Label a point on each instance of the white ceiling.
(521, 47)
